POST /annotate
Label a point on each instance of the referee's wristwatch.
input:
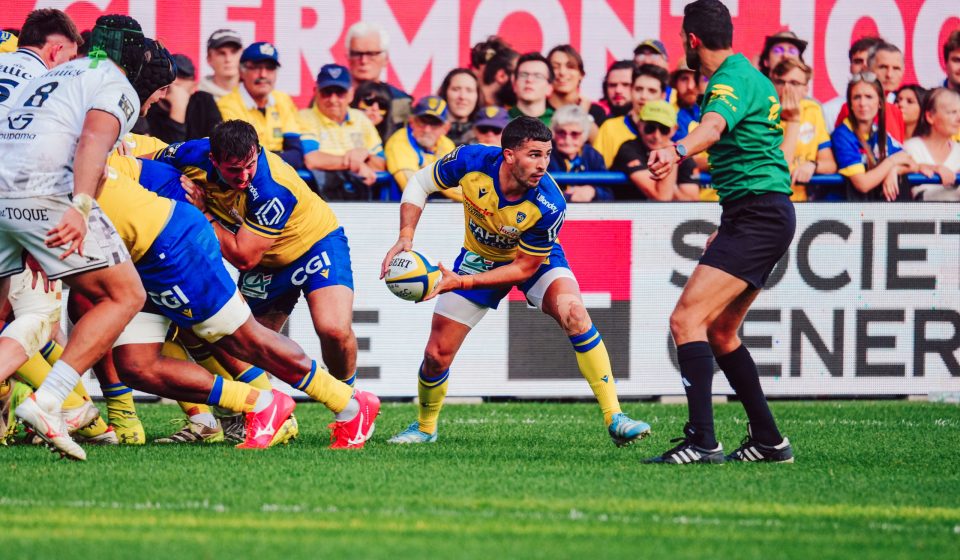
(680, 150)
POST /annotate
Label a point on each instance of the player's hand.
(661, 161)
(124, 149)
(891, 186)
(194, 193)
(402, 244)
(803, 172)
(710, 240)
(71, 231)
(448, 282)
(37, 274)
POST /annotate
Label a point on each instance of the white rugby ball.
(412, 276)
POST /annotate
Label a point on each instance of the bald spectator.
(422, 142)
(616, 89)
(533, 84)
(223, 56)
(779, 46)
(271, 112)
(367, 46)
(350, 150)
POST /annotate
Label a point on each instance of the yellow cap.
(659, 111)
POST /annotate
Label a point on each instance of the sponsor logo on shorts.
(317, 264)
(174, 298)
(24, 214)
(491, 239)
(254, 284)
(474, 264)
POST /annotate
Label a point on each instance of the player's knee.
(338, 334)
(574, 318)
(435, 360)
(723, 338)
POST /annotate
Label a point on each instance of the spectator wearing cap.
(422, 142)
(533, 84)
(488, 127)
(651, 51)
(686, 83)
(776, 47)
(858, 55)
(271, 112)
(223, 56)
(806, 143)
(167, 117)
(616, 89)
(885, 65)
(347, 139)
(367, 46)
(568, 72)
(460, 89)
(659, 122)
(571, 153)
(649, 84)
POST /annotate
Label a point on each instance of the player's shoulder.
(549, 197)
(191, 152)
(274, 178)
(474, 157)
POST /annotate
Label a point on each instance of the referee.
(741, 114)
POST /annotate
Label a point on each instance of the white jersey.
(16, 69)
(38, 137)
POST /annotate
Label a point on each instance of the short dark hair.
(863, 44)
(484, 51)
(523, 129)
(952, 44)
(572, 53)
(710, 21)
(233, 139)
(534, 57)
(40, 24)
(652, 70)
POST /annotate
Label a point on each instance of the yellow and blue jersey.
(277, 205)
(8, 42)
(138, 214)
(496, 228)
(849, 153)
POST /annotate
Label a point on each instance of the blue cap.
(431, 106)
(492, 116)
(333, 75)
(260, 52)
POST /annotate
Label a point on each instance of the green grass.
(872, 480)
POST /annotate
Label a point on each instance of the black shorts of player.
(755, 232)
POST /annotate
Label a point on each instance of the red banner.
(430, 37)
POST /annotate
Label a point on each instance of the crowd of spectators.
(357, 124)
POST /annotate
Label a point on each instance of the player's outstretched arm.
(421, 186)
(517, 272)
(700, 139)
(99, 134)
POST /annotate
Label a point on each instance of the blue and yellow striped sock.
(51, 352)
(324, 388)
(594, 363)
(256, 378)
(431, 391)
(232, 395)
(119, 399)
(352, 380)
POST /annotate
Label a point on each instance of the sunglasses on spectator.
(572, 134)
(789, 50)
(868, 77)
(650, 128)
(370, 102)
(367, 54)
(333, 91)
(483, 129)
(780, 83)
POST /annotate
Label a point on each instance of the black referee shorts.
(755, 232)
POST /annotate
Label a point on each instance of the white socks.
(350, 412)
(59, 383)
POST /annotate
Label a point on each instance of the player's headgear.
(119, 38)
(158, 70)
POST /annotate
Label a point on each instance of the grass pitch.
(529, 480)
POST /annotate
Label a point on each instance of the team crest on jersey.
(126, 106)
(521, 217)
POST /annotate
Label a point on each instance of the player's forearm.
(507, 275)
(409, 218)
(705, 135)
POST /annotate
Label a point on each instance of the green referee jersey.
(747, 159)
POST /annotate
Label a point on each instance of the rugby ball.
(412, 276)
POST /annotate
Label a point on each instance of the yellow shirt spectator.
(276, 120)
(613, 134)
(812, 138)
(404, 154)
(339, 138)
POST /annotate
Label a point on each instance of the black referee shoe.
(688, 452)
(753, 451)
